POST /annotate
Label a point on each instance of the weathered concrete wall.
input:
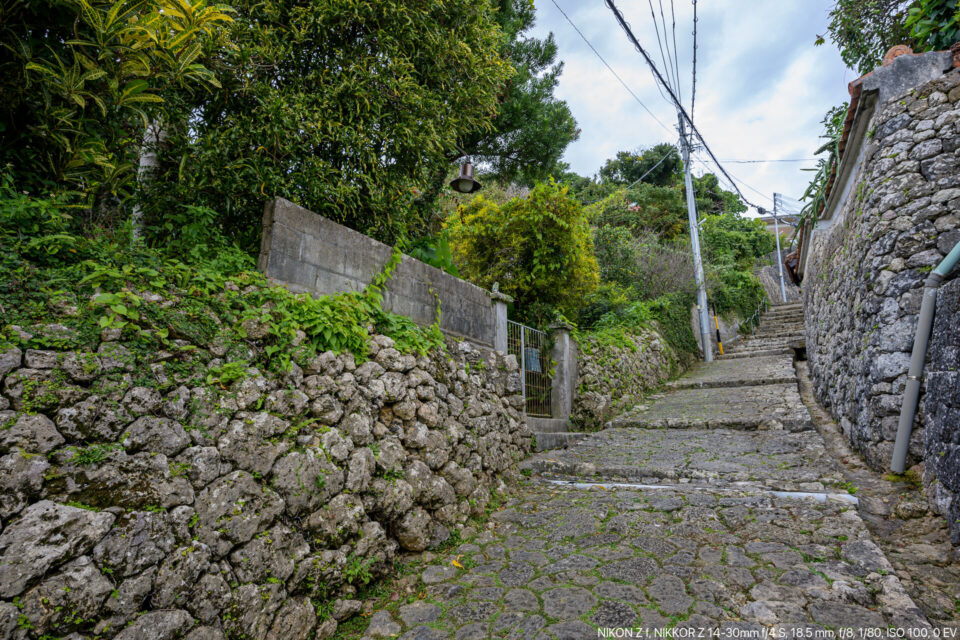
(139, 509)
(894, 217)
(307, 252)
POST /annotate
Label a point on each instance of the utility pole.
(695, 245)
(776, 226)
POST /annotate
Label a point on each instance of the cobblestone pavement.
(768, 406)
(715, 510)
(777, 369)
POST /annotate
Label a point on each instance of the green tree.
(345, 107)
(645, 207)
(532, 127)
(80, 80)
(538, 249)
(730, 239)
(864, 30)
(934, 24)
(713, 200)
(628, 167)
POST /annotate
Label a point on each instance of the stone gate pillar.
(564, 353)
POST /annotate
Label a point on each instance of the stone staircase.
(780, 331)
(770, 348)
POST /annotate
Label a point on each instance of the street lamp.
(464, 183)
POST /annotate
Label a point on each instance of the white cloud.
(762, 86)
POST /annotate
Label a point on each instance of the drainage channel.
(814, 495)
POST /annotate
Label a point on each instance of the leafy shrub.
(81, 79)
(730, 239)
(645, 207)
(671, 313)
(645, 266)
(538, 249)
(934, 24)
(735, 291)
(214, 299)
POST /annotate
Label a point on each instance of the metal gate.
(532, 349)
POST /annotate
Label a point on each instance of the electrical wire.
(676, 101)
(676, 52)
(615, 74)
(648, 172)
(693, 84)
(766, 161)
(663, 57)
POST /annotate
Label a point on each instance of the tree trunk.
(153, 137)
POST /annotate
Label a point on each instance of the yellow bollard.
(717, 324)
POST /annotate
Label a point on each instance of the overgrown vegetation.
(864, 30)
(356, 110)
(815, 196)
(173, 301)
(537, 249)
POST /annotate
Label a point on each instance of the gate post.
(500, 302)
(564, 354)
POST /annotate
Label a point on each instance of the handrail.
(761, 308)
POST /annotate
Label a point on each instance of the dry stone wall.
(864, 277)
(612, 378)
(228, 510)
(941, 409)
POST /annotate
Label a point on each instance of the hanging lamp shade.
(464, 183)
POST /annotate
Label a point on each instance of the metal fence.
(532, 349)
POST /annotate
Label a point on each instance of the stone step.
(791, 319)
(775, 335)
(771, 406)
(546, 441)
(775, 332)
(548, 425)
(777, 460)
(760, 370)
(737, 355)
(769, 342)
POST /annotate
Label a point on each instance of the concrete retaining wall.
(307, 252)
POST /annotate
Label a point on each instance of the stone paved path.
(715, 509)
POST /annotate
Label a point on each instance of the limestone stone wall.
(862, 286)
(941, 409)
(612, 377)
(231, 509)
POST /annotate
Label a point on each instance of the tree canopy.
(864, 30)
(532, 127)
(342, 107)
(630, 166)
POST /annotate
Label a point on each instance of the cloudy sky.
(762, 85)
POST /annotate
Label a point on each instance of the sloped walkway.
(714, 508)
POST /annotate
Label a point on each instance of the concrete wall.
(891, 216)
(307, 252)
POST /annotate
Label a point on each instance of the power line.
(676, 101)
(615, 74)
(656, 28)
(693, 85)
(676, 52)
(766, 161)
(648, 172)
